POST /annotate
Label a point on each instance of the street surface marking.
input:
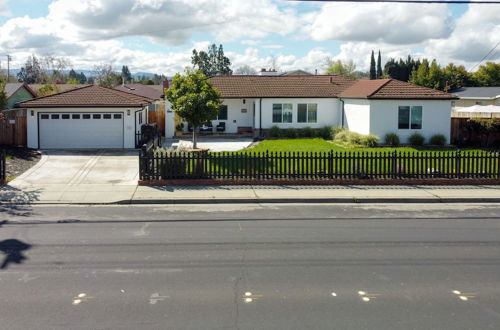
(155, 297)
(462, 295)
(249, 297)
(82, 297)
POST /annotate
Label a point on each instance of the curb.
(352, 200)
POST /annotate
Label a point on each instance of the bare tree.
(246, 70)
(104, 75)
(53, 68)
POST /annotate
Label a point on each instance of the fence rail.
(318, 166)
(3, 169)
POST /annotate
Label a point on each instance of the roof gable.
(88, 96)
(12, 88)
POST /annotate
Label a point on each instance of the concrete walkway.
(133, 194)
(213, 144)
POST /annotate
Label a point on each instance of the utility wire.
(485, 56)
(459, 2)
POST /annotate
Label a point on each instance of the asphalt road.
(250, 267)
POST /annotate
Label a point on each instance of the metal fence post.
(394, 165)
(458, 168)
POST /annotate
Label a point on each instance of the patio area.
(211, 143)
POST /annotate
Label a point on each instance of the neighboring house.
(470, 96)
(59, 87)
(256, 103)
(18, 92)
(153, 92)
(88, 117)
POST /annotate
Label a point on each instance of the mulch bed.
(19, 160)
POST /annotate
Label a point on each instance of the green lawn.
(320, 145)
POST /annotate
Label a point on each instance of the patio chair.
(207, 128)
(221, 127)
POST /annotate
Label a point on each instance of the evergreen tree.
(379, 66)
(487, 75)
(373, 70)
(126, 75)
(213, 62)
(420, 76)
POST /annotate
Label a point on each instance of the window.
(222, 113)
(479, 103)
(282, 113)
(410, 117)
(96, 116)
(117, 116)
(307, 113)
(75, 116)
(140, 118)
(64, 116)
(44, 116)
(54, 116)
(86, 116)
(106, 116)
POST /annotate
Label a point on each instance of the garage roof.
(88, 96)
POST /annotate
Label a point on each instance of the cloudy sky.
(158, 35)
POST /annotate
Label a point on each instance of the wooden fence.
(158, 117)
(13, 128)
(318, 166)
(3, 175)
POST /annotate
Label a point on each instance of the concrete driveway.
(67, 176)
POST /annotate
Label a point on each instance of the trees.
(105, 76)
(126, 75)
(373, 71)
(400, 70)
(487, 75)
(379, 66)
(213, 62)
(3, 95)
(31, 72)
(48, 89)
(194, 99)
(246, 70)
(347, 69)
(420, 76)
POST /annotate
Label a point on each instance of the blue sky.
(158, 35)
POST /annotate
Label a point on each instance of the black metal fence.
(161, 165)
(3, 170)
(149, 136)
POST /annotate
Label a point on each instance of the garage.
(81, 130)
(89, 117)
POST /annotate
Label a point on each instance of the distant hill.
(88, 73)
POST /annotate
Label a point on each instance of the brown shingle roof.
(142, 90)
(392, 89)
(87, 96)
(281, 86)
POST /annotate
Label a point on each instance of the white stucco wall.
(357, 115)
(436, 118)
(130, 122)
(328, 112)
(464, 103)
(236, 115)
(169, 121)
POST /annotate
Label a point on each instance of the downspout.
(342, 112)
(135, 125)
(260, 117)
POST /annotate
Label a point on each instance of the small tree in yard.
(194, 99)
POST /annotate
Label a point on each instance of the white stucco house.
(88, 117)
(471, 96)
(256, 103)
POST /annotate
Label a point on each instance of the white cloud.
(4, 9)
(272, 46)
(476, 33)
(382, 22)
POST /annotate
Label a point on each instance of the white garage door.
(81, 130)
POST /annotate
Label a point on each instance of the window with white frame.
(222, 113)
(410, 117)
(282, 113)
(307, 113)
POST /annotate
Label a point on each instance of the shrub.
(308, 132)
(275, 132)
(342, 136)
(392, 139)
(416, 139)
(438, 140)
(334, 131)
(369, 140)
(355, 138)
(324, 132)
(290, 133)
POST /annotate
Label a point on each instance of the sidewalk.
(133, 194)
